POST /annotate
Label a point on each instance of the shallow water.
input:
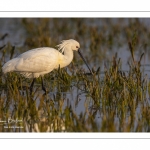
(75, 98)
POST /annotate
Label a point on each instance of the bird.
(37, 62)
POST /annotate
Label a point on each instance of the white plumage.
(40, 61)
(34, 63)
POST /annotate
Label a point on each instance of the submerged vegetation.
(113, 99)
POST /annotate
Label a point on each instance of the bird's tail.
(9, 66)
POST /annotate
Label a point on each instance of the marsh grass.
(112, 101)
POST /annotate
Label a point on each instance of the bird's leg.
(43, 88)
(31, 86)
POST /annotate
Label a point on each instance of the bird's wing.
(37, 60)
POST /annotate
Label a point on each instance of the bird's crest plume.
(62, 46)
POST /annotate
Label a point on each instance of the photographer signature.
(10, 120)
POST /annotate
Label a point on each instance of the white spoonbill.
(40, 61)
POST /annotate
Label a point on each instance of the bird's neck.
(67, 57)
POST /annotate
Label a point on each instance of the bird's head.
(74, 45)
